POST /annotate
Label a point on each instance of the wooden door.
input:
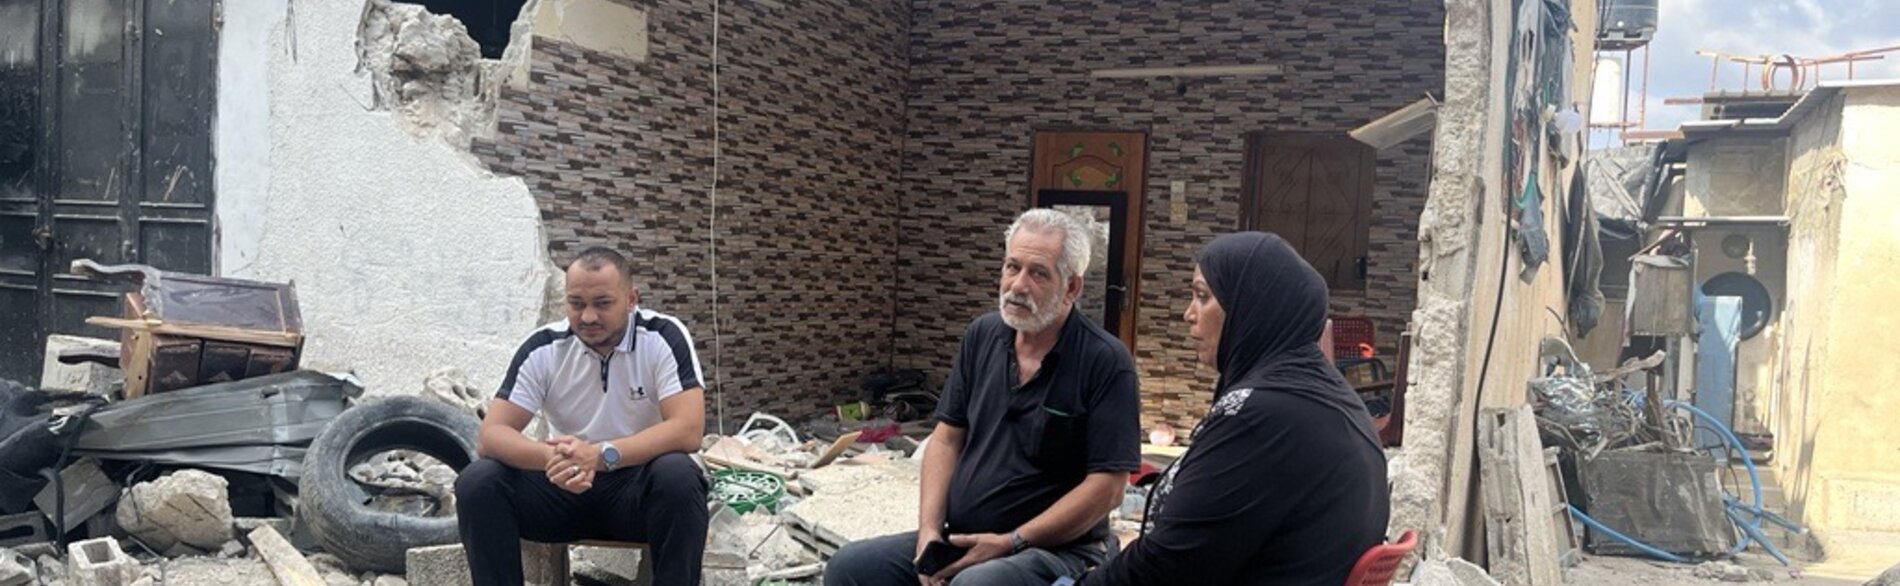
(1101, 175)
(1316, 192)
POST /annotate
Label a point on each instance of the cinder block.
(440, 565)
(92, 378)
(22, 529)
(100, 562)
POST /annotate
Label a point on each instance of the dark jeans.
(661, 503)
(886, 561)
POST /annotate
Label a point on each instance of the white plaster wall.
(407, 257)
(241, 138)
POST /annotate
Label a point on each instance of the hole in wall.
(488, 21)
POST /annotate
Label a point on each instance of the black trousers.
(661, 503)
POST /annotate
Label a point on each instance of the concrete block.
(92, 378)
(544, 564)
(448, 564)
(187, 507)
(15, 569)
(21, 529)
(611, 565)
(88, 491)
(100, 562)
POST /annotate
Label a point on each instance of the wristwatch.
(1016, 542)
(609, 456)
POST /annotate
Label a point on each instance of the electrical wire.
(712, 234)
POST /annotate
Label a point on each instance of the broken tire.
(334, 507)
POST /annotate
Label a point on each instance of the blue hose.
(1631, 541)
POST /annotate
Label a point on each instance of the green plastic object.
(746, 491)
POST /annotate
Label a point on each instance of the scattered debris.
(15, 569)
(1728, 572)
(203, 571)
(1452, 572)
(188, 508)
(450, 385)
(286, 563)
(408, 482)
(856, 502)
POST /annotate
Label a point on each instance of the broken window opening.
(488, 21)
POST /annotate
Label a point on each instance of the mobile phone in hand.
(938, 554)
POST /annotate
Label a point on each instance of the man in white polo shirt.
(619, 387)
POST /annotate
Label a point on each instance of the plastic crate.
(1353, 338)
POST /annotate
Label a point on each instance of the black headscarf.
(1276, 311)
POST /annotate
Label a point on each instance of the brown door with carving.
(1099, 176)
(1314, 190)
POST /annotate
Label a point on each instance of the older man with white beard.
(1036, 434)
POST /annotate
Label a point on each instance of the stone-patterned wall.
(620, 153)
(985, 75)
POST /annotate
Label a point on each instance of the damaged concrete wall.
(617, 147)
(407, 256)
(986, 76)
(1832, 411)
(1479, 319)
(1736, 176)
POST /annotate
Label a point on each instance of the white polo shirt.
(599, 399)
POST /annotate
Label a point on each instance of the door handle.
(43, 237)
(1121, 296)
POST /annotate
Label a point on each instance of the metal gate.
(105, 153)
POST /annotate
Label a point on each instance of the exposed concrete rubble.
(451, 386)
(855, 502)
(285, 562)
(426, 68)
(15, 568)
(187, 508)
(1451, 572)
(407, 482)
(1728, 572)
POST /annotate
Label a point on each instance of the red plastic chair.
(1382, 561)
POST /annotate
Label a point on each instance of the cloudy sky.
(1803, 28)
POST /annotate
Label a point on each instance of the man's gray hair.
(1074, 260)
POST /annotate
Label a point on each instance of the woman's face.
(1204, 317)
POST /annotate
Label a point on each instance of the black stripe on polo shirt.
(536, 341)
(675, 337)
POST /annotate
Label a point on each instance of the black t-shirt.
(1027, 446)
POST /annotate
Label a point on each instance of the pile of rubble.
(836, 492)
(179, 530)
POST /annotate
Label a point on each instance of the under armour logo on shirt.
(639, 392)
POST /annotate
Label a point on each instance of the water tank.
(1626, 24)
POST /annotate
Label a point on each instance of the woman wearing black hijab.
(1285, 481)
